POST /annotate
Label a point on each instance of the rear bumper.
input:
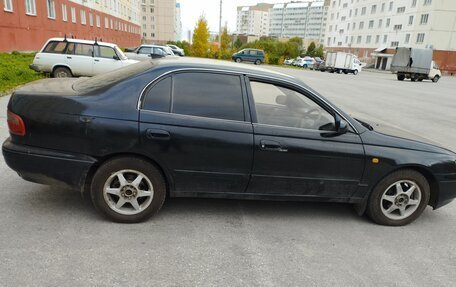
(35, 67)
(48, 166)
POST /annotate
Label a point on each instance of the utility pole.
(220, 27)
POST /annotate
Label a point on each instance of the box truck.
(342, 62)
(415, 64)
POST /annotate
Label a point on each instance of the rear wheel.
(128, 189)
(238, 60)
(355, 72)
(400, 77)
(62, 72)
(399, 198)
(436, 78)
(257, 62)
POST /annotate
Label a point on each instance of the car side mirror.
(281, 100)
(341, 125)
(115, 57)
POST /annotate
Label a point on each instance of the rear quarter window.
(56, 47)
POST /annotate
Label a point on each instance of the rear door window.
(145, 50)
(208, 95)
(158, 98)
(105, 52)
(84, 50)
(56, 47)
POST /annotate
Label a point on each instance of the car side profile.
(63, 58)
(249, 55)
(147, 52)
(161, 129)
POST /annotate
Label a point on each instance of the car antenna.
(96, 42)
(65, 39)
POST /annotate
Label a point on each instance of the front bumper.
(447, 190)
(47, 166)
(35, 67)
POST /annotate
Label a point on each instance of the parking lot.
(53, 237)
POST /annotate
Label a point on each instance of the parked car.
(176, 50)
(296, 61)
(306, 62)
(341, 62)
(171, 128)
(147, 52)
(288, 61)
(63, 58)
(415, 64)
(249, 55)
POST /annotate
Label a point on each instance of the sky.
(192, 9)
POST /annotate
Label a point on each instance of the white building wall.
(388, 24)
(253, 20)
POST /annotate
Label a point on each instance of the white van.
(62, 57)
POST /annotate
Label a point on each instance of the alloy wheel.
(400, 200)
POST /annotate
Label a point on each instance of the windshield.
(103, 80)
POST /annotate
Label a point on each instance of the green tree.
(311, 50)
(225, 44)
(319, 52)
(296, 40)
(238, 43)
(200, 46)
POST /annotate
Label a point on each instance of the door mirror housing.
(115, 57)
(341, 125)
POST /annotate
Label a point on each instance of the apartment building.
(158, 21)
(372, 29)
(305, 19)
(253, 20)
(178, 36)
(25, 25)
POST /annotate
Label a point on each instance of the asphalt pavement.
(53, 237)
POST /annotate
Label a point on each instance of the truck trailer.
(341, 62)
(415, 64)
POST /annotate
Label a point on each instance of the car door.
(157, 53)
(195, 125)
(105, 60)
(81, 60)
(296, 148)
(143, 53)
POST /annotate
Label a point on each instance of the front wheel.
(399, 198)
(400, 77)
(238, 60)
(436, 78)
(128, 189)
(355, 72)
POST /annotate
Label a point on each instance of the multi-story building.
(372, 29)
(253, 20)
(178, 35)
(305, 19)
(26, 25)
(158, 21)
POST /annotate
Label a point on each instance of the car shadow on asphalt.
(72, 202)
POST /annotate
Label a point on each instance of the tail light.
(15, 124)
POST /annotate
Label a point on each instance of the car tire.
(62, 72)
(345, 72)
(258, 62)
(238, 60)
(436, 78)
(399, 198)
(400, 77)
(128, 189)
(355, 72)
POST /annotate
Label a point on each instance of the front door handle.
(157, 134)
(272, 146)
(69, 57)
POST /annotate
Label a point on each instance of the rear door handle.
(157, 134)
(272, 146)
(69, 57)
(96, 60)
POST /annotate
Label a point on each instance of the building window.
(377, 39)
(50, 5)
(106, 22)
(30, 7)
(373, 9)
(371, 24)
(385, 39)
(383, 7)
(424, 19)
(413, 3)
(97, 18)
(410, 20)
(363, 11)
(8, 5)
(380, 22)
(390, 6)
(73, 14)
(358, 40)
(361, 25)
(90, 19)
(394, 44)
(83, 17)
(407, 38)
(400, 10)
(427, 2)
(368, 39)
(398, 27)
(64, 13)
(420, 38)
(388, 21)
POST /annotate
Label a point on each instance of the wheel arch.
(102, 160)
(61, 66)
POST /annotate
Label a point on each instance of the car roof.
(217, 65)
(91, 42)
